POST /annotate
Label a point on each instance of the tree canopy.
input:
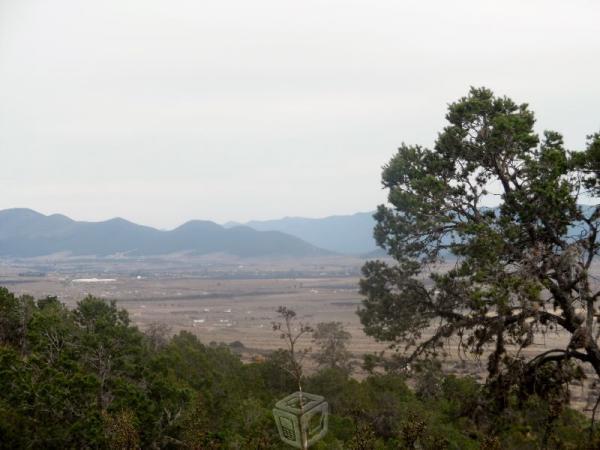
(494, 232)
(87, 378)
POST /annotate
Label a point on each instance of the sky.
(166, 111)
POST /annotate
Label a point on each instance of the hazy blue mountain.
(352, 234)
(26, 233)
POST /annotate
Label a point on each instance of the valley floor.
(229, 301)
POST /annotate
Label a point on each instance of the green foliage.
(519, 270)
(87, 378)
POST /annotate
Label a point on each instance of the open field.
(222, 303)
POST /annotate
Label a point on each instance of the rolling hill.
(27, 233)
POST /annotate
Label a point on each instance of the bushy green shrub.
(87, 378)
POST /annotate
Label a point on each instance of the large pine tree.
(513, 271)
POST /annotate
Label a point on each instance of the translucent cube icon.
(301, 411)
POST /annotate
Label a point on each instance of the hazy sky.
(164, 111)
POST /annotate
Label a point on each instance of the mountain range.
(349, 234)
(27, 233)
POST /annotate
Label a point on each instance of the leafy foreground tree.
(517, 271)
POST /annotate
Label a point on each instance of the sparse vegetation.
(332, 340)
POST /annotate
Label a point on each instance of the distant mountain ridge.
(346, 234)
(349, 234)
(27, 233)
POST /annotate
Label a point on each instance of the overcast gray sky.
(164, 111)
